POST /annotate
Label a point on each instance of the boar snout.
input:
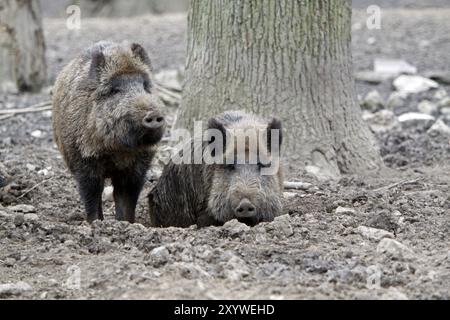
(154, 120)
(245, 209)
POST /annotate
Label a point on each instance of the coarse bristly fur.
(101, 102)
(208, 194)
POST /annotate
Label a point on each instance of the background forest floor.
(319, 249)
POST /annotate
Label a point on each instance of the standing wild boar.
(211, 194)
(106, 122)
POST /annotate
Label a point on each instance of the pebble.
(396, 100)
(439, 128)
(283, 225)
(31, 217)
(14, 289)
(297, 185)
(373, 233)
(235, 228)
(372, 101)
(289, 195)
(414, 84)
(25, 208)
(414, 119)
(394, 248)
(19, 219)
(37, 134)
(30, 167)
(427, 107)
(345, 210)
(393, 67)
(381, 121)
(160, 255)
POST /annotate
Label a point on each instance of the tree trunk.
(287, 58)
(22, 47)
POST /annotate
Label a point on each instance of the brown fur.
(202, 194)
(100, 100)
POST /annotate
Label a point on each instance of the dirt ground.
(320, 248)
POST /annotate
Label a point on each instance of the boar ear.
(97, 62)
(140, 53)
(274, 124)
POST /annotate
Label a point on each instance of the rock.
(31, 217)
(37, 134)
(445, 111)
(160, 255)
(396, 100)
(439, 76)
(427, 107)
(373, 233)
(371, 77)
(47, 114)
(44, 172)
(289, 195)
(14, 289)
(393, 67)
(414, 84)
(394, 248)
(381, 121)
(444, 103)
(297, 185)
(439, 128)
(25, 208)
(345, 210)
(19, 219)
(372, 101)
(235, 269)
(394, 294)
(30, 167)
(413, 119)
(282, 224)
(235, 228)
(108, 193)
(440, 94)
(371, 40)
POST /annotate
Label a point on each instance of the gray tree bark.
(288, 58)
(22, 46)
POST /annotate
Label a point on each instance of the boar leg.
(127, 187)
(91, 189)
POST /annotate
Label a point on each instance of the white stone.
(345, 210)
(289, 195)
(37, 134)
(414, 84)
(298, 185)
(373, 233)
(372, 101)
(30, 167)
(393, 67)
(439, 127)
(394, 248)
(30, 217)
(427, 107)
(414, 118)
(17, 288)
(396, 100)
(25, 208)
(381, 121)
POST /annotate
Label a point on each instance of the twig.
(168, 92)
(297, 185)
(34, 187)
(34, 108)
(396, 184)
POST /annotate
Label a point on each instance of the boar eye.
(114, 90)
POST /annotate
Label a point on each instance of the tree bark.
(288, 58)
(22, 46)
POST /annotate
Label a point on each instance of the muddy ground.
(320, 248)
